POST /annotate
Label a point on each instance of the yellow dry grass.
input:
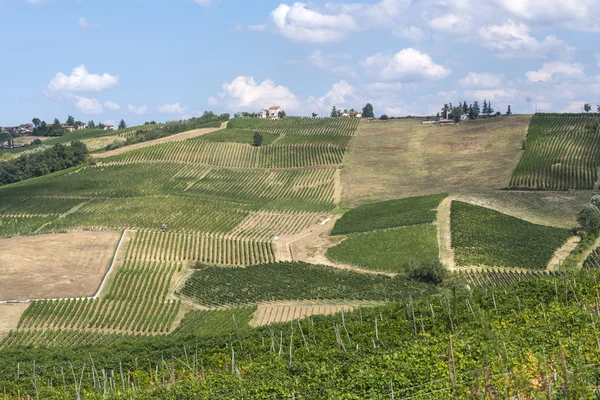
(403, 158)
(55, 266)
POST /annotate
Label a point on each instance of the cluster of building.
(23, 130)
(351, 113)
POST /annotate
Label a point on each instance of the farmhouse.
(351, 113)
(273, 112)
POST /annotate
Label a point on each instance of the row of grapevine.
(237, 155)
(38, 206)
(59, 338)
(562, 151)
(207, 249)
(299, 126)
(496, 277)
(136, 302)
(593, 260)
(13, 226)
(266, 224)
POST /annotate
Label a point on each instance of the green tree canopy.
(257, 139)
(367, 111)
(122, 124)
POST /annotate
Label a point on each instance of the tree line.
(31, 165)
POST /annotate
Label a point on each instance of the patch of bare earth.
(10, 314)
(55, 266)
(286, 311)
(173, 138)
(562, 253)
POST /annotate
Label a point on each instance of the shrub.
(433, 273)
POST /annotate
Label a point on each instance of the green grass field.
(481, 236)
(389, 250)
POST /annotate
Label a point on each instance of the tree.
(5, 138)
(433, 273)
(587, 107)
(257, 139)
(471, 112)
(490, 110)
(122, 124)
(509, 111)
(457, 114)
(36, 122)
(367, 111)
(445, 111)
(465, 108)
(589, 219)
(484, 110)
(70, 120)
(36, 141)
(315, 115)
(384, 117)
(56, 124)
(101, 125)
(334, 112)
(91, 124)
(281, 114)
(476, 109)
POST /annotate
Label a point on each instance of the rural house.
(271, 113)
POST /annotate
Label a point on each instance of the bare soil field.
(402, 158)
(173, 138)
(55, 266)
(10, 314)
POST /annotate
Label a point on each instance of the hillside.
(215, 268)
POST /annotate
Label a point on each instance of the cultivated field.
(562, 152)
(403, 158)
(55, 266)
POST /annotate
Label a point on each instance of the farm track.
(173, 138)
(445, 233)
(562, 253)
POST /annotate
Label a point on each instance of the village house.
(351, 113)
(271, 113)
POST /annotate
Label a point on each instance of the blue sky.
(164, 60)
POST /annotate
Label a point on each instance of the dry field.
(9, 316)
(55, 266)
(403, 158)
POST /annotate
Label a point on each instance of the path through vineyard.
(562, 253)
(173, 138)
(445, 234)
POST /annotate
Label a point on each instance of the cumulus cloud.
(408, 65)
(551, 72)
(451, 24)
(245, 93)
(338, 96)
(174, 108)
(138, 110)
(81, 80)
(551, 11)
(88, 106)
(481, 80)
(513, 39)
(111, 105)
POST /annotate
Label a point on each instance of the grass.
(481, 236)
(389, 250)
(238, 136)
(389, 214)
(215, 286)
(403, 158)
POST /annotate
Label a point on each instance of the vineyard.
(13, 226)
(499, 277)
(236, 155)
(137, 302)
(389, 214)
(298, 126)
(593, 260)
(389, 250)
(484, 237)
(58, 338)
(237, 136)
(562, 152)
(217, 287)
(206, 249)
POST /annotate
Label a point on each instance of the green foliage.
(561, 153)
(122, 125)
(298, 126)
(481, 236)
(237, 136)
(213, 286)
(216, 323)
(367, 111)
(384, 117)
(13, 226)
(389, 250)
(54, 159)
(389, 214)
(431, 272)
(257, 139)
(36, 141)
(589, 219)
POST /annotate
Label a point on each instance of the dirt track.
(174, 138)
(445, 234)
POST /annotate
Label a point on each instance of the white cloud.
(501, 95)
(81, 80)
(550, 72)
(336, 96)
(412, 33)
(85, 24)
(112, 105)
(409, 65)
(513, 39)
(245, 93)
(174, 108)
(88, 106)
(551, 11)
(574, 107)
(451, 24)
(141, 110)
(481, 80)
